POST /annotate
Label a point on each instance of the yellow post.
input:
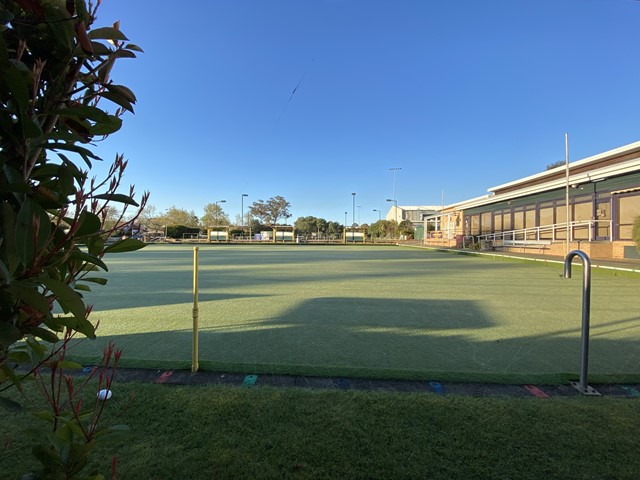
(194, 359)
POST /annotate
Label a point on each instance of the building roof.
(625, 159)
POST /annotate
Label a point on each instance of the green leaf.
(125, 245)
(118, 100)
(8, 247)
(69, 364)
(66, 297)
(134, 47)
(81, 256)
(107, 33)
(100, 281)
(32, 230)
(107, 128)
(84, 111)
(10, 405)
(117, 197)
(9, 334)
(81, 287)
(89, 224)
(29, 294)
(19, 356)
(45, 334)
(122, 90)
(95, 245)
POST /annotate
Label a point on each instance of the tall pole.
(345, 227)
(566, 174)
(379, 216)
(354, 217)
(242, 210)
(395, 170)
(194, 346)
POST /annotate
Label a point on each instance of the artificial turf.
(364, 311)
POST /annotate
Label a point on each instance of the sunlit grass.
(264, 433)
(373, 311)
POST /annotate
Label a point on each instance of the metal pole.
(568, 210)
(345, 227)
(582, 386)
(194, 358)
(354, 218)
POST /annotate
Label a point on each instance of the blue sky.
(462, 95)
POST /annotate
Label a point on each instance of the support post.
(582, 386)
(194, 352)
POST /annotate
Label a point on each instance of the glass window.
(581, 212)
(497, 221)
(506, 221)
(485, 222)
(628, 210)
(475, 225)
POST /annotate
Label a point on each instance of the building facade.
(532, 213)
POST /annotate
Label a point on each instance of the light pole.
(395, 204)
(376, 210)
(353, 217)
(242, 210)
(345, 227)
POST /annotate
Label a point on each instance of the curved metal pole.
(583, 386)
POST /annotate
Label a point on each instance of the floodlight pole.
(354, 218)
(583, 386)
(242, 211)
(194, 352)
(379, 215)
(395, 170)
(345, 227)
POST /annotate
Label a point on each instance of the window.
(628, 210)
(485, 222)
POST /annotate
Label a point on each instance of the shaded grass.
(222, 432)
(371, 312)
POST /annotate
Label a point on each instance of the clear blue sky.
(462, 95)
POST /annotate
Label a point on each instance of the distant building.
(531, 214)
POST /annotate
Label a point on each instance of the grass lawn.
(263, 433)
(365, 311)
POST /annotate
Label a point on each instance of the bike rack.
(582, 386)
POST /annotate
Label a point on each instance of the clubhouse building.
(532, 214)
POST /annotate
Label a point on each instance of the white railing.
(578, 230)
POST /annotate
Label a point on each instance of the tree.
(311, 225)
(559, 163)
(54, 80)
(175, 216)
(269, 212)
(382, 228)
(213, 216)
(635, 234)
(334, 229)
(406, 228)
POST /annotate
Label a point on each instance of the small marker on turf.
(343, 383)
(249, 380)
(164, 376)
(631, 391)
(536, 391)
(436, 387)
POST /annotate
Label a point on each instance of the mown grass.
(364, 311)
(266, 433)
